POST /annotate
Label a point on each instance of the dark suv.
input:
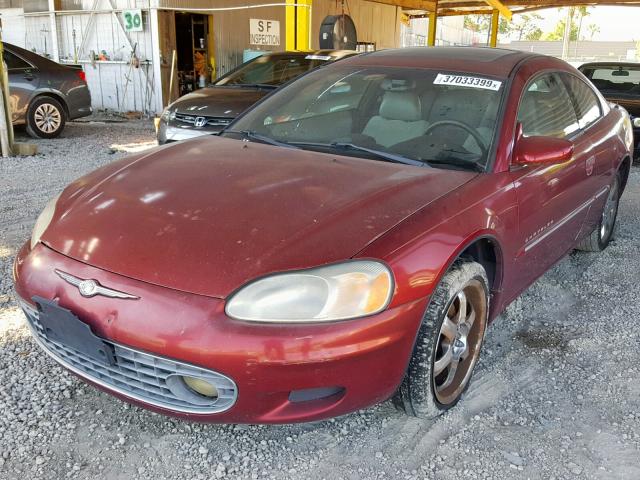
(209, 110)
(44, 94)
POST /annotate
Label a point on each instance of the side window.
(546, 109)
(14, 62)
(586, 102)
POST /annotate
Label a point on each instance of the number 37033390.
(467, 81)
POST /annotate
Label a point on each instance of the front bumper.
(279, 371)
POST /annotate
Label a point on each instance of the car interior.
(418, 120)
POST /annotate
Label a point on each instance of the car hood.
(207, 215)
(219, 101)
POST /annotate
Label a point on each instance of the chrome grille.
(208, 121)
(139, 375)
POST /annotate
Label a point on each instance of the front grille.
(219, 122)
(139, 375)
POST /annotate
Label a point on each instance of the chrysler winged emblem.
(90, 288)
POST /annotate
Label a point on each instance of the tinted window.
(14, 61)
(586, 102)
(268, 70)
(546, 109)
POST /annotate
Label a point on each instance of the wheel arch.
(624, 169)
(53, 94)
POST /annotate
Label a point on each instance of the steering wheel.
(470, 130)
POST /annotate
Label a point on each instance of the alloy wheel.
(459, 342)
(610, 211)
(47, 118)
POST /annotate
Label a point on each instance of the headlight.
(636, 122)
(43, 221)
(334, 292)
(168, 114)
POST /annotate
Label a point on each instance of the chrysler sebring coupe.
(344, 242)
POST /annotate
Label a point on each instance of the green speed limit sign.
(132, 20)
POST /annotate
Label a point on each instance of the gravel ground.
(556, 394)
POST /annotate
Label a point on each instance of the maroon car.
(345, 241)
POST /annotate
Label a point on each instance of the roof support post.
(433, 23)
(495, 22)
(53, 26)
(298, 25)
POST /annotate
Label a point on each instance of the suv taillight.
(82, 75)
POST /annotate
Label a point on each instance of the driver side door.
(550, 196)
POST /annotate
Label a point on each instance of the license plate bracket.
(62, 326)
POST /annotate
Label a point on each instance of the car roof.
(484, 60)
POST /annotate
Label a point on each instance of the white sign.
(264, 32)
(464, 81)
(132, 20)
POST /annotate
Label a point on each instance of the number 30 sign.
(132, 20)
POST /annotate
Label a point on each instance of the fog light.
(201, 387)
(636, 122)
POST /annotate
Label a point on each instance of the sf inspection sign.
(264, 32)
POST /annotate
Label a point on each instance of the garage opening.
(194, 49)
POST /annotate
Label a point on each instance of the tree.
(593, 30)
(558, 32)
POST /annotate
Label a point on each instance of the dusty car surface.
(344, 242)
(44, 94)
(619, 82)
(209, 110)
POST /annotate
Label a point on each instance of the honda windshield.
(272, 70)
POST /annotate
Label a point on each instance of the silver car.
(44, 95)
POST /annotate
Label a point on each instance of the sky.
(616, 23)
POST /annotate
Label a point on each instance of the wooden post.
(6, 124)
(495, 23)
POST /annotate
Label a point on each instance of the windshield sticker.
(318, 57)
(464, 81)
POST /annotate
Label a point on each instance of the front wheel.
(448, 343)
(46, 118)
(601, 236)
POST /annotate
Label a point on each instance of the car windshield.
(271, 70)
(416, 116)
(615, 79)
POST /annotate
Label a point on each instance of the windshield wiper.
(456, 162)
(391, 157)
(251, 135)
(266, 86)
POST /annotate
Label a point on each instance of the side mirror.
(541, 150)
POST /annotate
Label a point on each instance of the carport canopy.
(507, 8)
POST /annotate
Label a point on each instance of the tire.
(46, 118)
(424, 392)
(603, 233)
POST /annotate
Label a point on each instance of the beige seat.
(399, 119)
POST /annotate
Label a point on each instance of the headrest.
(397, 85)
(401, 106)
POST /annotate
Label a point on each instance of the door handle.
(28, 76)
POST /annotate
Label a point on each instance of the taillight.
(81, 75)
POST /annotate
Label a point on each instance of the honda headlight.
(43, 221)
(168, 115)
(334, 292)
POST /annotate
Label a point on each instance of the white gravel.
(555, 396)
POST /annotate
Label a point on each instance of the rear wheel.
(448, 343)
(601, 236)
(46, 118)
